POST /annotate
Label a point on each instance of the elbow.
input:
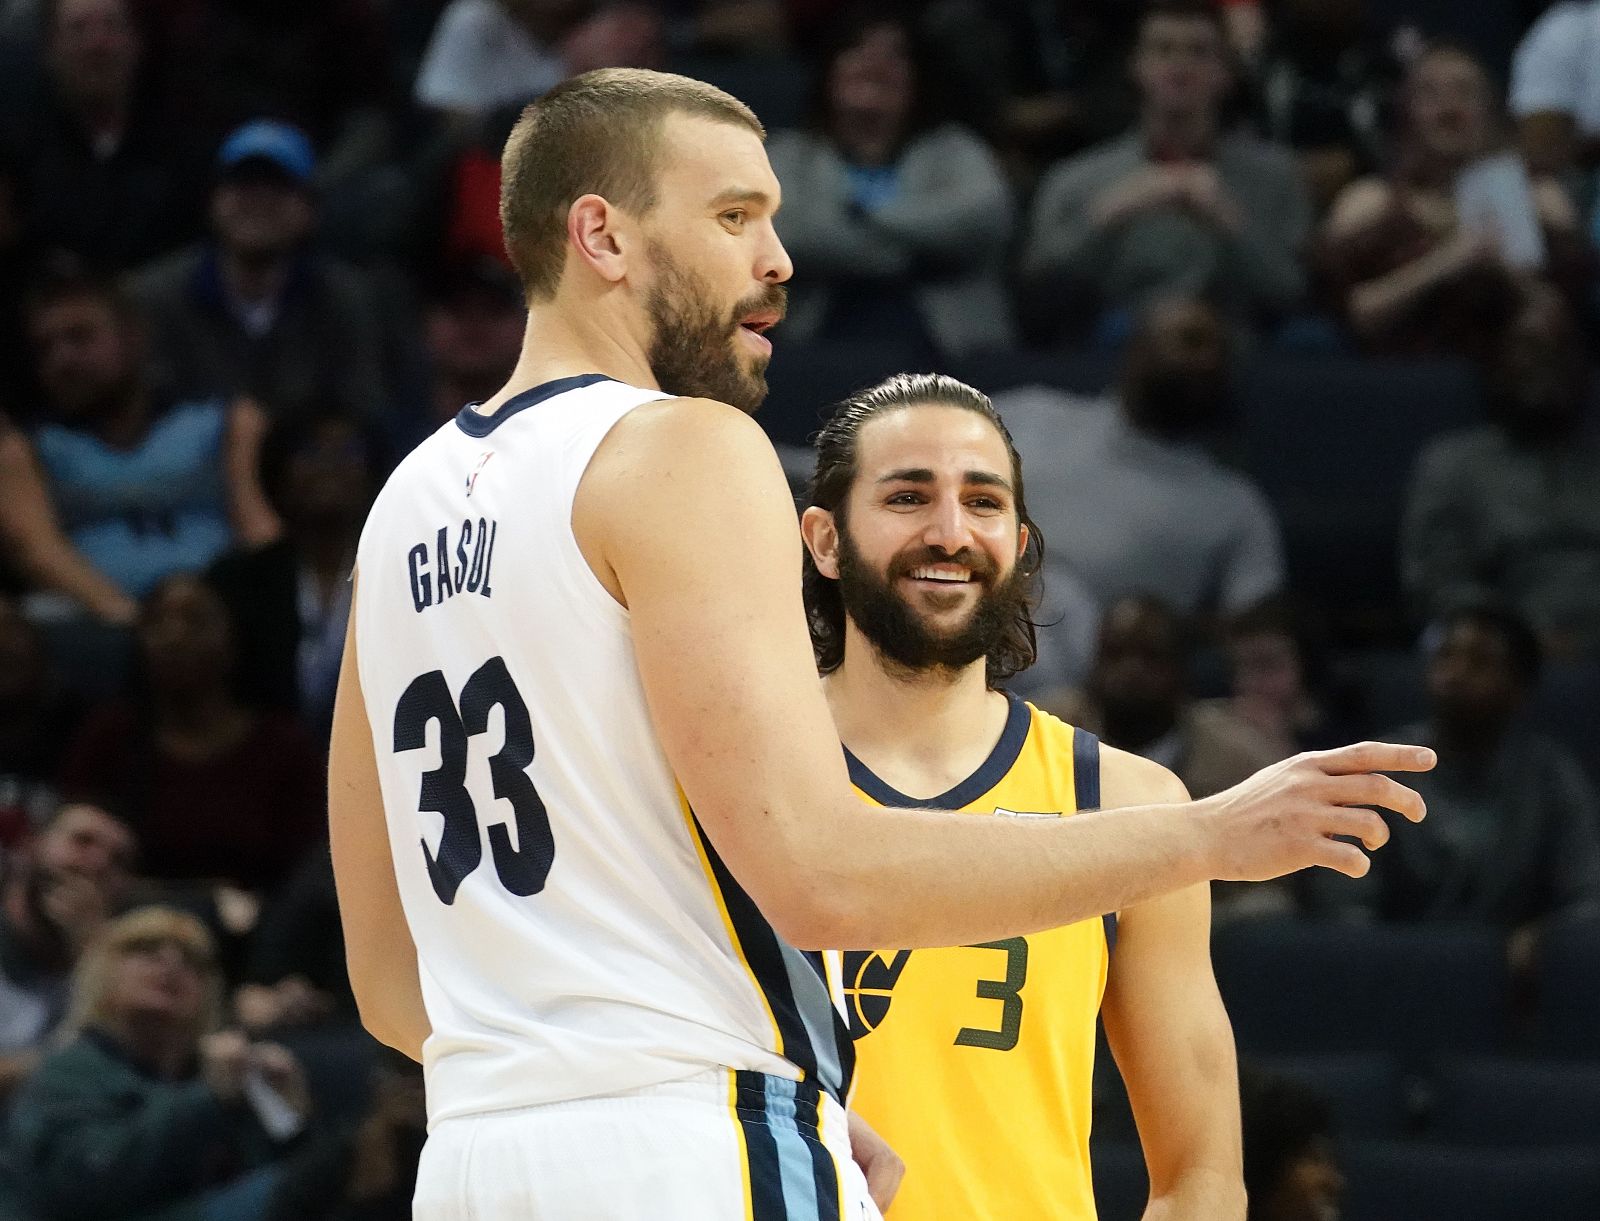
(815, 917)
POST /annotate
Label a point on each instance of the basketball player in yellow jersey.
(976, 1063)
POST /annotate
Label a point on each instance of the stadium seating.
(1365, 1090)
(807, 380)
(1332, 443)
(1554, 1104)
(1407, 1181)
(1569, 997)
(1316, 987)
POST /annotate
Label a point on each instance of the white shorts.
(719, 1146)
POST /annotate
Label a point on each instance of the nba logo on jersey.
(472, 479)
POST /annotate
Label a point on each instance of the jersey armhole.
(588, 584)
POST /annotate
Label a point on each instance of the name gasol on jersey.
(440, 571)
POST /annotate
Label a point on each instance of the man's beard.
(692, 352)
(898, 632)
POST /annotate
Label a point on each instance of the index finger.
(1375, 757)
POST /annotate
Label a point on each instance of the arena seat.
(1298, 987)
(1391, 1180)
(1365, 1090)
(1487, 1100)
(807, 380)
(1086, 372)
(1332, 443)
(1568, 1022)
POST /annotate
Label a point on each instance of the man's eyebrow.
(742, 195)
(921, 474)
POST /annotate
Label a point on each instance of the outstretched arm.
(381, 956)
(1170, 1035)
(685, 514)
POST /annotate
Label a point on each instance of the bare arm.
(34, 534)
(686, 514)
(380, 954)
(255, 521)
(1376, 304)
(1170, 1035)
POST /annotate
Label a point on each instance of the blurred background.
(1290, 305)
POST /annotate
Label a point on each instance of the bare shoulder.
(662, 440)
(1358, 205)
(1127, 779)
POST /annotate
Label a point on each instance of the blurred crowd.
(250, 253)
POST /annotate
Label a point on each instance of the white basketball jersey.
(576, 933)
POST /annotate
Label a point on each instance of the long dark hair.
(838, 451)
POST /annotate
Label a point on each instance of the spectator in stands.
(320, 65)
(1128, 495)
(486, 55)
(1178, 205)
(1555, 89)
(35, 718)
(148, 1110)
(1290, 1173)
(296, 966)
(56, 894)
(118, 487)
(1280, 686)
(291, 598)
(217, 791)
(472, 332)
(1511, 509)
(256, 309)
(899, 224)
(100, 173)
(1138, 700)
(1412, 272)
(1323, 88)
(1042, 81)
(1512, 836)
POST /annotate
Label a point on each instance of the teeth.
(953, 575)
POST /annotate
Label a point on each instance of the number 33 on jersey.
(976, 1063)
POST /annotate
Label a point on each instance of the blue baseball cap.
(279, 144)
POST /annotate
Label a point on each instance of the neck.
(195, 711)
(125, 424)
(867, 140)
(927, 721)
(253, 279)
(100, 113)
(1182, 133)
(151, 1042)
(572, 336)
(1474, 740)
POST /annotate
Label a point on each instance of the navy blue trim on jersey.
(475, 424)
(1086, 795)
(792, 1174)
(812, 1032)
(990, 772)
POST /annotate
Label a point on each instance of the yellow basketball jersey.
(976, 1063)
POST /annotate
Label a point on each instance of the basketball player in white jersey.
(591, 822)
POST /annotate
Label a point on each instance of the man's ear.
(1022, 540)
(821, 536)
(596, 233)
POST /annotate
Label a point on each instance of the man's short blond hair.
(596, 134)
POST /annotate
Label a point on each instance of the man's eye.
(905, 498)
(984, 502)
(735, 217)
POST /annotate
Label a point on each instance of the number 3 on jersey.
(522, 868)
